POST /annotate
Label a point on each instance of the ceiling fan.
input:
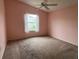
(45, 4)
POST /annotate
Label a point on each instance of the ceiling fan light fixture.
(45, 4)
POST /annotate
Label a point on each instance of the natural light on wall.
(31, 23)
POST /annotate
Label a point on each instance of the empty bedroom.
(38, 29)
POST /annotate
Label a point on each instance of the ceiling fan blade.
(52, 4)
(41, 6)
(46, 7)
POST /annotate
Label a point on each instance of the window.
(31, 23)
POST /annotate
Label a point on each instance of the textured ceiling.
(61, 3)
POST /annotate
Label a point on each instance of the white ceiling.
(61, 3)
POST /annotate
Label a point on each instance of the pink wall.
(63, 24)
(15, 11)
(2, 29)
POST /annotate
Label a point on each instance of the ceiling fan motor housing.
(44, 4)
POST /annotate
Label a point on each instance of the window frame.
(26, 22)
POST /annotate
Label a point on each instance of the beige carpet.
(40, 48)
